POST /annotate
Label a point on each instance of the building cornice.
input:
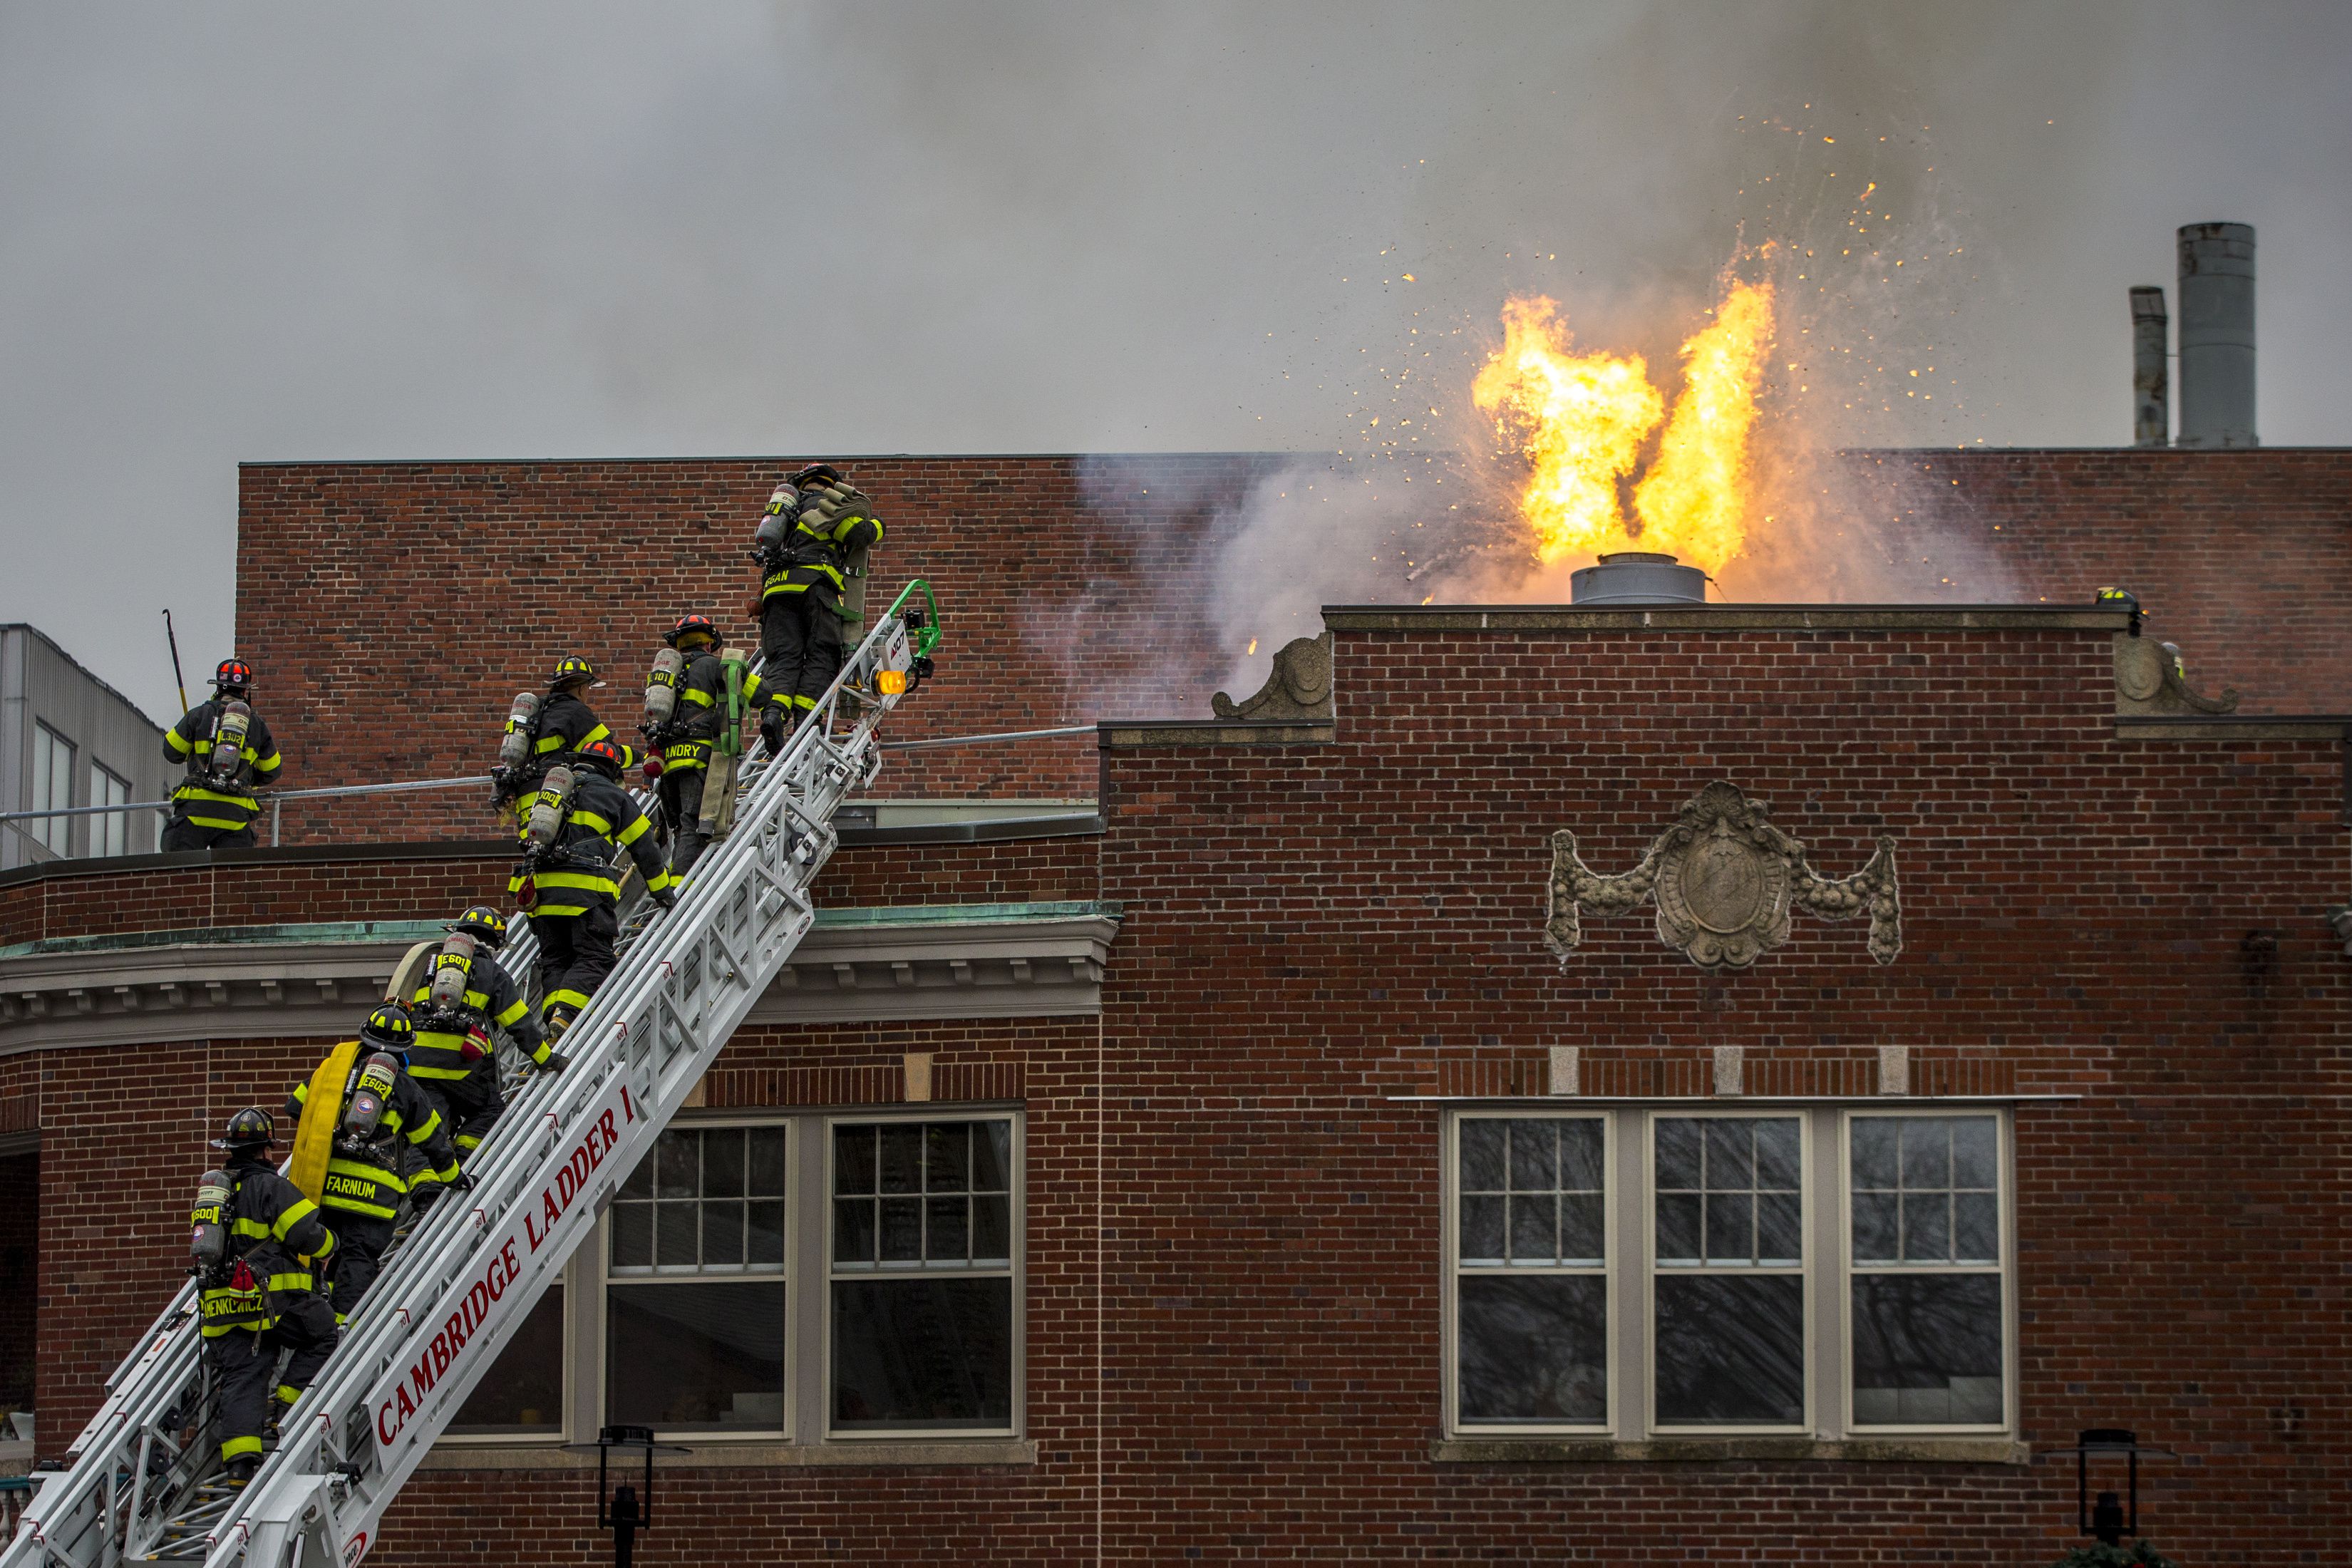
(917, 962)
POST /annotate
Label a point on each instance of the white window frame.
(53, 834)
(2005, 1266)
(1017, 1271)
(1455, 1272)
(559, 1430)
(111, 829)
(1825, 1152)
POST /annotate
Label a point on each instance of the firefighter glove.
(556, 1062)
(666, 897)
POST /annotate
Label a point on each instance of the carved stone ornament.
(1298, 687)
(1724, 879)
(2151, 679)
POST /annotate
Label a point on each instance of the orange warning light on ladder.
(893, 682)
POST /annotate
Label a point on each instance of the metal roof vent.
(1637, 577)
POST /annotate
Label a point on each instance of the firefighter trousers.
(681, 802)
(360, 1243)
(468, 1119)
(243, 1364)
(179, 833)
(800, 647)
(575, 954)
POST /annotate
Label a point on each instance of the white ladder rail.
(645, 1038)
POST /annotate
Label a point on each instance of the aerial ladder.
(143, 1482)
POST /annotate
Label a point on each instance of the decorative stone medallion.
(1724, 879)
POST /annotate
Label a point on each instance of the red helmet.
(232, 674)
(609, 758)
(686, 623)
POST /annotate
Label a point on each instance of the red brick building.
(1267, 1140)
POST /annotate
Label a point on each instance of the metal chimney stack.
(2217, 336)
(2151, 411)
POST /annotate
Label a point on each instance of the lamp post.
(2111, 1517)
(622, 1510)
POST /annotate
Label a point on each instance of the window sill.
(1701, 1450)
(736, 1454)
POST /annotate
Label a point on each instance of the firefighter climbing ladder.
(144, 1484)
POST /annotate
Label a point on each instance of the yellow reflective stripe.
(171, 738)
(252, 1228)
(633, 832)
(196, 792)
(287, 1394)
(594, 735)
(416, 1072)
(303, 1092)
(562, 911)
(424, 1134)
(468, 1142)
(296, 1212)
(574, 998)
(655, 883)
(704, 698)
(508, 1018)
(588, 881)
(300, 1282)
(221, 823)
(550, 743)
(377, 1174)
(268, 764)
(239, 1447)
(358, 1206)
(595, 819)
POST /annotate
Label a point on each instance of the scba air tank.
(229, 740)
(783, 511)
(208, 1220)
(453, 971)
(547, 811)
(515, 749)
(371, 1097)
(661, 687)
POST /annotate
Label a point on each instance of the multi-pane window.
(53, 768)
(921, 1260)
(522, 1393)
(1532, 1287)
(110, 834)
(1758, 1268)
(695, 1296)
(1927, 1302)
(1728, 1299)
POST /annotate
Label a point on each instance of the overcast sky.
(233, 232)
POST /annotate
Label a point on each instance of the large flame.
(1582, 419)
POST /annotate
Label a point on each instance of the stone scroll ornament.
(1725, 880)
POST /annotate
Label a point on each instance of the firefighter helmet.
(570, 668)
(232, 674)
(483, 923)
(813, 472)
(252, 1127)
(388, 1028)
(686, 623)
(607, 757)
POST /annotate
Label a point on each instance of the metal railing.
(276, 797)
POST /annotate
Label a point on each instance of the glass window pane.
(722, 1162)
(991, 1229)
(1730, 1224)
(853, 1230)
(723, 1232)
(640, 1183)
(1579, 1157)
(852, 1158)
(1678, 1228)
(1482, 1228)
(947, 1230)
(763, 1237)
(1483, 1140)
(699, 1353)
(1731, 1153)
(523, 1390)
(1926, 1153)
(1533, 1349)
(1730, 1349)
(1928, 1350)
(1780, 1230)
(674, 1238)
(902, 1230)
(633, 1234)
(1678, 1153)
(677, 1165)
(902, 1157)
(947, 1157)
(1535, 1224)
(1927, 1225)
(1873, 1150)
(992, 1157)
(1875, 1233)
(1581, 1234)
(1976, 1153)
(1778, 1143)
(766, 1159)
(933, 1353)
(1533, 1149)
(1976, 1228)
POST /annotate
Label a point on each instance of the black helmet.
(814, 472)
(252, 1127)
(232, 674)
(572, 669)
(483, 923)
(388, 1029)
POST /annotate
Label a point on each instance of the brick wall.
(394, 608)
(87, 898)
